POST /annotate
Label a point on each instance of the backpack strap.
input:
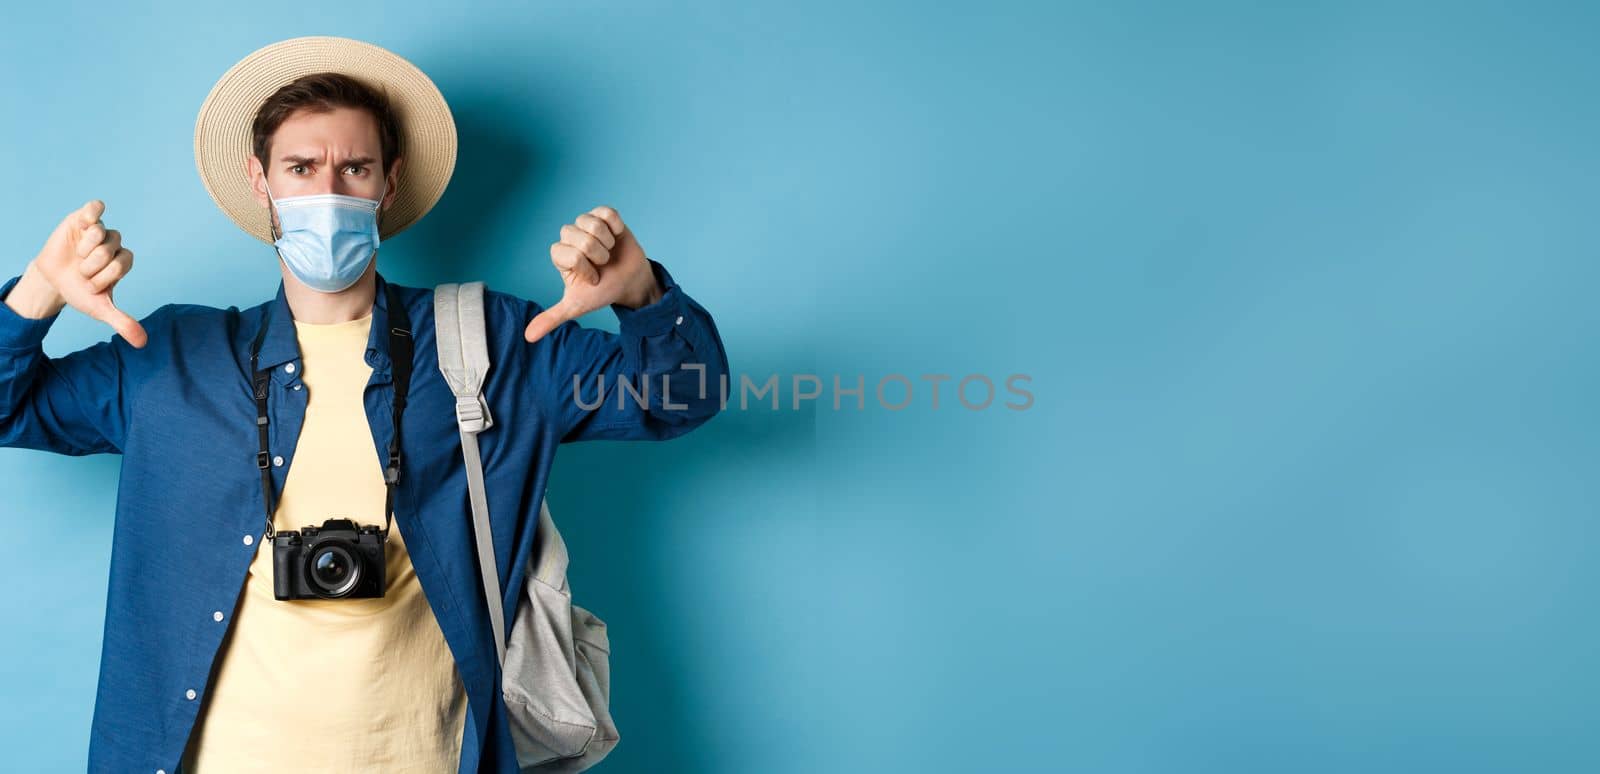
(464, 361)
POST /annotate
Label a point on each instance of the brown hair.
(321, 93)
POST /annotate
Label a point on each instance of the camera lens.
(333, 570)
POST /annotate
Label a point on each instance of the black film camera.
(338, 560)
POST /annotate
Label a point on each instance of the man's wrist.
(651, 296)
(649, 291)
(33, 296)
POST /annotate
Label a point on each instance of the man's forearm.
(33, 296)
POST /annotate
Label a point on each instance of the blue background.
(1308, 483)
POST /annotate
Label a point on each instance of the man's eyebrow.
(312, 160)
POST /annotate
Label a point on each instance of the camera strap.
(400, 352)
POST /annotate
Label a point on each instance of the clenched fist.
(83, 261)
(600, 264)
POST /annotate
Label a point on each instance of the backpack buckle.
(472, 413)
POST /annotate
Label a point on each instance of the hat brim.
(222, 131)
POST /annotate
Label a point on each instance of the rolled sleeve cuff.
(657, 318)
(16, 331)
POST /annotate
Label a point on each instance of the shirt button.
(297, 386)
(189, 694)
(161, 771)
(217, 616)
(277, 462)
(289, 369)
(680, 320)
(248, 539)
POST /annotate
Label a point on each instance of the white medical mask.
(327, 239)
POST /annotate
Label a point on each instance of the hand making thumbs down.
(601, 264)
(83, 261)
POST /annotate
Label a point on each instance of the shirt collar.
(283, 345)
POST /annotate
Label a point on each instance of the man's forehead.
(346, 131)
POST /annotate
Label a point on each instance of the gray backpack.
(556, 671)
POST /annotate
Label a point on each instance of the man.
(323, 147)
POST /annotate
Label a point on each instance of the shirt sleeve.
(659, 377)
(75, 404)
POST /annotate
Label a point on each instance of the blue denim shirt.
(190, 517)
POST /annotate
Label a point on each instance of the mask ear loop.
(379, 211)
(377, 216)
(272, 221)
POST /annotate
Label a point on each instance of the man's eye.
(296, 168)
(359, 169)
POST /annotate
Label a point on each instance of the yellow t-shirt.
(332, 685)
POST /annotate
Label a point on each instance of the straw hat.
(222, 131)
